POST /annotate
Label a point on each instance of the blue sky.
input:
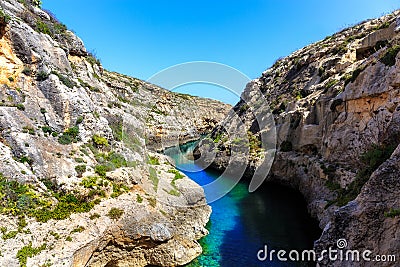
(140, 38)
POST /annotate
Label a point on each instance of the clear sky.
(140, 38)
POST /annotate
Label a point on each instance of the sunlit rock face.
(336, 110)
(81, 183)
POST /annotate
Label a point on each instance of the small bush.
(43, 110)
(27, 71)
(20, 107)
(28, 252)
(79, 120)
(78, 229)
(89, 182)
(65, 80)
(139, 199)
(152, 201)
(153, 177)
(389, 58)
(119, 189)
(153, 160)
(43, 27)
(42, 76)
(99, 141)
(94, 216)
(69, 239)
(10, 235)
(331, 83)
(56, 235)
(80, 169)
(28, 129)
(115, 213)
(4, 18)
(47, 129)
(69, 136)
(102, 170)
(392, 213)
(91, 58)
(79, 160)
(11, 79)
(371, 160)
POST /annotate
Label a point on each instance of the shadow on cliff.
(275, 216)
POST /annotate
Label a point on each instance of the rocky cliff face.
(336, 110)
(79, 185)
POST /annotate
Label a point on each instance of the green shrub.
(56, 235)
(218, 137)
(173, 192)
(153, 177)
(27, 71)
(286, 146)
(65, 80)
(20, 199)
(20, 107)
(79, 120)
(28, 252)
(153, 160)
(11, 79)
(42, 76)
(331, 83)
(94, 216)
(10, 235)
(382, 26)
(4, 18)
(371, 160)
(392, 213)
(67, 204)
(69, 136)
(78, 229)
(152, 201)
(178, 176)
(99, 141)
(79, 160)
(102, 170)
(47, 129)
(115, 213)
(91, 58)
(26, 159)
(43, 110)
(80, 169)
(117, 160)
(89, 182)
(68, 238)
(43, 27)
(118, 189)
(389, 58)
(139, 199)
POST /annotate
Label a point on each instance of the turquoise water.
(242, 223)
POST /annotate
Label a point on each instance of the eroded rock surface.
(80, 184)
(336, 108)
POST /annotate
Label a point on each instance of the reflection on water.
(242, 223)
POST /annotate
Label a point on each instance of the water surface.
(242, 223)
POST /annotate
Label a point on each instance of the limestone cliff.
(78, 184)
(336, 106)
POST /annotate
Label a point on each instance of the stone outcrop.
(80, 184)
(336, 109)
